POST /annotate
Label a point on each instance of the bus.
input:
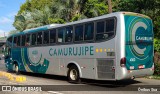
(115, 46)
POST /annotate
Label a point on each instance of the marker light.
(101, 50)
(97, 50)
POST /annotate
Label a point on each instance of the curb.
(12, 77)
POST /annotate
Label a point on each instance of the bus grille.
(105, 68)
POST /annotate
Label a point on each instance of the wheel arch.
(16, 62)
(72, 63)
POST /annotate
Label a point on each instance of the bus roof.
(76, 22)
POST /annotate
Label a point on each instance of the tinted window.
(9, 41)
(23, 40)
(100, 27)
(110, 25)
(39, 38)
(61, 34)
(69, 33)
(89, 30)
(33, 39)
(53, 36)
(46, 37)
(15, 41)
(79, 33)
(18, 41)
(105, 30)
(27, 43)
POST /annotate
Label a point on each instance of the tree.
(67, 9)
(34, 13)
(13, 32)
(109, 6)
(23, 21)
(150, 8)
(95, 8)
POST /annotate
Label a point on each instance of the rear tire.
(73, 75)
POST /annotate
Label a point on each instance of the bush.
(157, 56)
(157, 69)
(157, 45)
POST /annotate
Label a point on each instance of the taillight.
(123, 62)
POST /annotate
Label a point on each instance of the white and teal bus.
(115, 46)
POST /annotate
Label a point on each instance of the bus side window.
(23, 40)
(45, 37)
(79, 33)
(33, 39)
(39, 38)
(15, 42)
(89, 31)
(105, 30)
(69, 33)
(27, 43)
(110, 28)
(110, 25)
(53, 36)
(9, 41)
(61, 35)
(18, 40)
(100, 30)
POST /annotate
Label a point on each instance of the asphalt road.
(51, 84)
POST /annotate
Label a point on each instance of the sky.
(8, 10)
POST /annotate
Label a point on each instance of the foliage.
(78, 17)
(34, 13)
(150, 8)
(157, 69)
(13, 32)
(157, 45)
(95, 8)
(59, 21)
(22, 21)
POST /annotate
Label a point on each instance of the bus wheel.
(73, 75)
(16, 69)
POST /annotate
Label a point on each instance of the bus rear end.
(138, 59)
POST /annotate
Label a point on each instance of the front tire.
(73, 75)
(16, 69)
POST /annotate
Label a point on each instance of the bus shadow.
(47, 76)
(110, 84)
(89, 82)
